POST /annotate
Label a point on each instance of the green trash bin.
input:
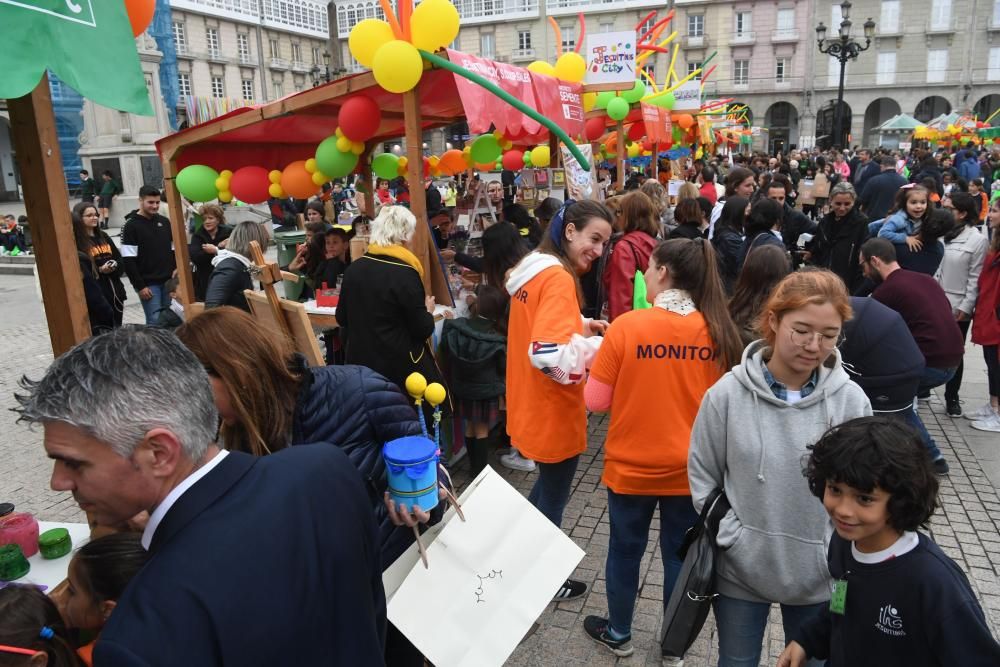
(288, 243)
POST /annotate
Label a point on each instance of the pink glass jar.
(20, 528)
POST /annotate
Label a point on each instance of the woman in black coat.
(763, 225)
(205, 246)
(101, 266)
(384, 314)
(231, 275)
(728, 239)
(839, 237)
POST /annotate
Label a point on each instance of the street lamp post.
(843, 49)
(325, 75)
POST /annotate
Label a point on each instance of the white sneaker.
(670, 661)
(980, 413)
(991, 423)
(515, 461)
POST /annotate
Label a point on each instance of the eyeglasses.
(805, 338)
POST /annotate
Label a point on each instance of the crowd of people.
(735, 334)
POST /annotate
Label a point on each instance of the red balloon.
(359, 118)
(140, 14)
(594, 128)
(647, 145)
(513, 160)
(636, 131)
(249, 184)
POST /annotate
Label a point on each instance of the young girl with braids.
(31, 632)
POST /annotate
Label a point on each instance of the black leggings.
(992, 368)
(955, 383)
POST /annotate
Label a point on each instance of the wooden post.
(366, 169)
(621, 155)
(178, 230)
(422, 244)
(46, 201)
(656, 160)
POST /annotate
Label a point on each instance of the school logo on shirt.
(890, 622)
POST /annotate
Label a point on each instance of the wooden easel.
(281, 316)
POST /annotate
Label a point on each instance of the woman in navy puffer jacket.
(269, 398)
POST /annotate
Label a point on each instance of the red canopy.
(273, 135)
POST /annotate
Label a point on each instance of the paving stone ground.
(967, 526)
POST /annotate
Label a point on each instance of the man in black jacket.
(148, 253)
(796, 222)
(880, 191)
(865, 170)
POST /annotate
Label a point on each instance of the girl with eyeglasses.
(749, 439)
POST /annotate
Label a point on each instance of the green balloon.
(637, 93)
(333, 162)
(664, 101)
(618, 108)
(197, 182)
(603, 99)
(527, 158)
(485, 149)
(678, 133)
(603, 148)
(386, 166)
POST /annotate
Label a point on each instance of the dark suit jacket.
(264, 561)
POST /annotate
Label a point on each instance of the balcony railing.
(519, 55)
(746, 37)
(780, 36)
(279, 64)
(246, 59)
(694, 41)
(889, 31)
(300, 66)
(565, 7)
(940, 27)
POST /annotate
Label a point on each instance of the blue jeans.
(630, 519)
(152, 308)
(933, 377)
(741, 627)
(551, 490)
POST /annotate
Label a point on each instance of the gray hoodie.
(754, 446)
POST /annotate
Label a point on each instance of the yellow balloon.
(433, 161)
(274, 176)
(339, 132)
(403, 161)
(275, 191)
(221, 184)
(366, 38)
(435, 394)
(344, 144)
(634, 149)
(589, 101)
(358, 147)
(541, 157)
(311, 165)
(225, 196)
(226, 174)
(571, 67)
(416, 384)
(542, 67)
(506, 144)
(319, 178)
(434, 24)
(397, 66)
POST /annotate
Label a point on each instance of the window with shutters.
(212, 42)
(741, 72)
(886, 68)
(524, 39)
(781, 69)
(889, 19)
(487, 45)
(743, 23)
(940, 14)
(218, 87)
(696, 25)
(993, 68)
(785, 24)
(937, 65)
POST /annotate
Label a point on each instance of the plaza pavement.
(967, 525)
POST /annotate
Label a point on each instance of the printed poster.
(688, 97)
(560, 102)
(610, 57)
(482, 108)
(580, 184)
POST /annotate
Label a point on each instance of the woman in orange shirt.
(549, 350)
(666, 355)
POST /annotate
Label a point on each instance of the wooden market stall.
(289, 129)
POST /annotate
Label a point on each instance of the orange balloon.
(140, 14)
(297, 182)
(452, 162)
(685, 120)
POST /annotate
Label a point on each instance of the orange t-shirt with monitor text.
(660, 365)
(547, 421)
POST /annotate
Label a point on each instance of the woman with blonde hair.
(384, 315)
(687, 191)
(232, 267)
(658, 195)
(749, 439)
(630, 253)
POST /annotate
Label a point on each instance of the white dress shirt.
(161, 510)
